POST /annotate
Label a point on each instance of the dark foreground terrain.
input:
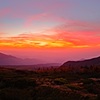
(69, 83)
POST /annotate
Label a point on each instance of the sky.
(52, 30)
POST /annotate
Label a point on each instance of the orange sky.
(58, 40)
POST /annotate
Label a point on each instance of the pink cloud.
(78, 28)
(31, 18)
(45, 17)
(4, 12)
(45, 11)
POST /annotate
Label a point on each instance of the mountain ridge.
(27, 63)
(87, 62)
(12, 60)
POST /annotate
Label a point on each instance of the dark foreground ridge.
(84, 63)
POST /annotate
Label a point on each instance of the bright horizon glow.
(49, 41)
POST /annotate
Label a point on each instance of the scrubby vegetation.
(50, 84)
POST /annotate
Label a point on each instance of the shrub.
(50, 93)
(60, 81)
(72, 87)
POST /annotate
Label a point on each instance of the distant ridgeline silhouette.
(88, 62)
(12, 60)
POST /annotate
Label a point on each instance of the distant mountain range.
(14, 62)
(87, 62)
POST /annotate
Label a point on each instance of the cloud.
(58, 40)
(34, 10)
(4, 12)
(32, 20)
(36, 17)
(69, 34)
(79, 28)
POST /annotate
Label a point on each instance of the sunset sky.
(51, 30)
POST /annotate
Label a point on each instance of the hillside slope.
(88, 62)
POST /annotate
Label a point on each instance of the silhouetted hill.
(88, 62)
(12, 60)
(9, 61)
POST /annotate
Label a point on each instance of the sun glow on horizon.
(44, 41)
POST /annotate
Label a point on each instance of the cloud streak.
(58, 40)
